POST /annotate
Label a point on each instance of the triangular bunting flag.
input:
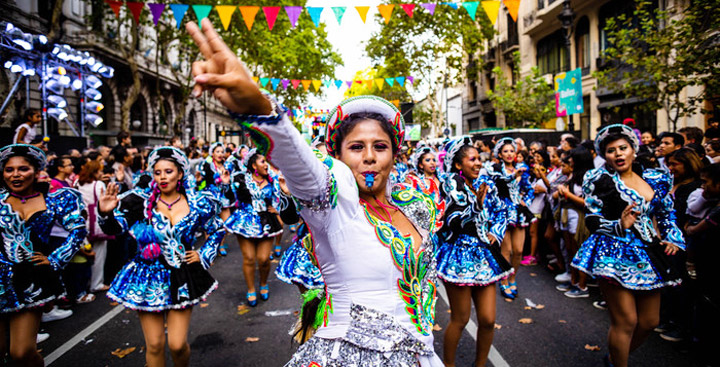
(248, 13)
(386, 11)
(430, 7)
(316, 84)
(264, 81)
(305, 84)
(225, 12)
(362, 11)
(409, 8)
(293, 13)
(349, 83)
(396, 102)
(452, 5)
(285, 83)
(201, 12)
(339, 12)
(136, 9)
(380, 82)
(179, 11)
(411, 79)
(401, 81)
(358, 81)
(390, 81)
(115, 6)
(327, 83)
(368, 83)
(156, 10)
(491, 8)
(271, 13)
(295, 83)
(471, 7)
(255, 79)
(274, 82)
(512, 6)
(338, 83)
(315, 13)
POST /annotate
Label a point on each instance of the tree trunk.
(54, 29)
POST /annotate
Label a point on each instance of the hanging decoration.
(274, 83)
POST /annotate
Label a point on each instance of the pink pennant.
(430, 7)
(409, 8)
(293, 13)
(271, 13)
(295, 83)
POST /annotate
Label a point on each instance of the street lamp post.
(567, 18)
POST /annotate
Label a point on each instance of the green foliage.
(655, 55)
(527, 103)
(432, 48)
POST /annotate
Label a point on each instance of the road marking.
(70, 344)
(494, 356)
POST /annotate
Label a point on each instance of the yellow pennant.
(386, 11)
(380, 82)
(255, 79)
(317, 84)
(225, 12)
(491, 9)
(362, 10)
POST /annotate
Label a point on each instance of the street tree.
(527, 103)
(433, 48)
(660, 55)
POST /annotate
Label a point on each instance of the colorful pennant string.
(248, 13)
(274, 83)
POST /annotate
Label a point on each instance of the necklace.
(23, 199)
(256, 181)
(383, 207)
(169, 205)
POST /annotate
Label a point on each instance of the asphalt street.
(560, 332)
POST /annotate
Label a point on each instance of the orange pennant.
(255, 79)
(248, 13)
(305, 84)
(362, 10)
(386, 11)
(369, 83)
(115, 5)
(317, 84)
(512, 6)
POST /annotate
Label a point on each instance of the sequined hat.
(418, 153)
(35, 154)
(624, 130)
(249, 155)
(501, 143)
(173, 154)
(364, 104)
(452, 148)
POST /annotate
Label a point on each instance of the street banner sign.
(568, 93)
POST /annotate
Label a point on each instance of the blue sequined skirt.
(217, 193)
(296, 268)
(245, 222)
(626, 263)
(518, 215)
(468, 261)
(25, 286)
(153, 286)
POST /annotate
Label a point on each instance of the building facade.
(539, 36)
(161, 109)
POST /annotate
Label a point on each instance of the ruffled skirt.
(295, 267)
(518, 215)
(153, 286)
(25, 285)
(470, 262)
(633, 265)
(247, 223)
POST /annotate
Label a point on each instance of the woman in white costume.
(373, 243)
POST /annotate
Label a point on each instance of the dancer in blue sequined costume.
(167, 277)
(256, 194)
(29, 266)
(516, 191)
(625, 203)
(468, 259)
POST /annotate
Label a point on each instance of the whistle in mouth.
(369, 180)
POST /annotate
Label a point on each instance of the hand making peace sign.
(223, 74)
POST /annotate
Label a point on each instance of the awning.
(620, 102)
